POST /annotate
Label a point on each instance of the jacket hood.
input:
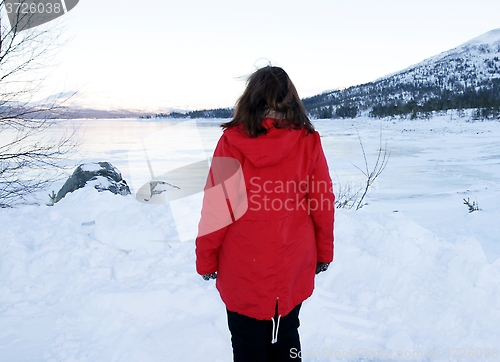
(268, 149)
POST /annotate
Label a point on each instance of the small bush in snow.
(52, 198)
(348, 197)
(472, 206)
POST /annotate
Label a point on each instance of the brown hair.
(269, 89)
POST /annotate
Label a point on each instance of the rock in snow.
(102, 175)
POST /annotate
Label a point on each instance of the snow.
(102, 277)
(91, 167)
(490, 37)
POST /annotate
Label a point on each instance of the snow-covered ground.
(99, 277)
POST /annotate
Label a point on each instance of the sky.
(191, 54)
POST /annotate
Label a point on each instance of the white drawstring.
(276, 326)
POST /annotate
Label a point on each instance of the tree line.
(205, 113)
(487, 100)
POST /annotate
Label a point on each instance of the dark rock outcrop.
(102, 175)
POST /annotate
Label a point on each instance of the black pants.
(251, 338)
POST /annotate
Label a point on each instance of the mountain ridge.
(467, 76)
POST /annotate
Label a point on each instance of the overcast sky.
(193, 53)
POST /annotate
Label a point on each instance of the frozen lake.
(434, 164)
(439, 155)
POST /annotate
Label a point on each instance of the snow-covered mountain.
(467, 76)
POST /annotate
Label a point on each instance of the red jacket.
(269, 252)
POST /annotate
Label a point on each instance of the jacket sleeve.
(322, 205)
(207, 251)
(214, 210)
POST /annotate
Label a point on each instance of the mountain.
(84, 104)
(467, 76)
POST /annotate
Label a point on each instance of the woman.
(266, 259)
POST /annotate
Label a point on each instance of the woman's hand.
(209, 276)
(321, 267)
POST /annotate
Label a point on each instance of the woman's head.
(269, 89)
